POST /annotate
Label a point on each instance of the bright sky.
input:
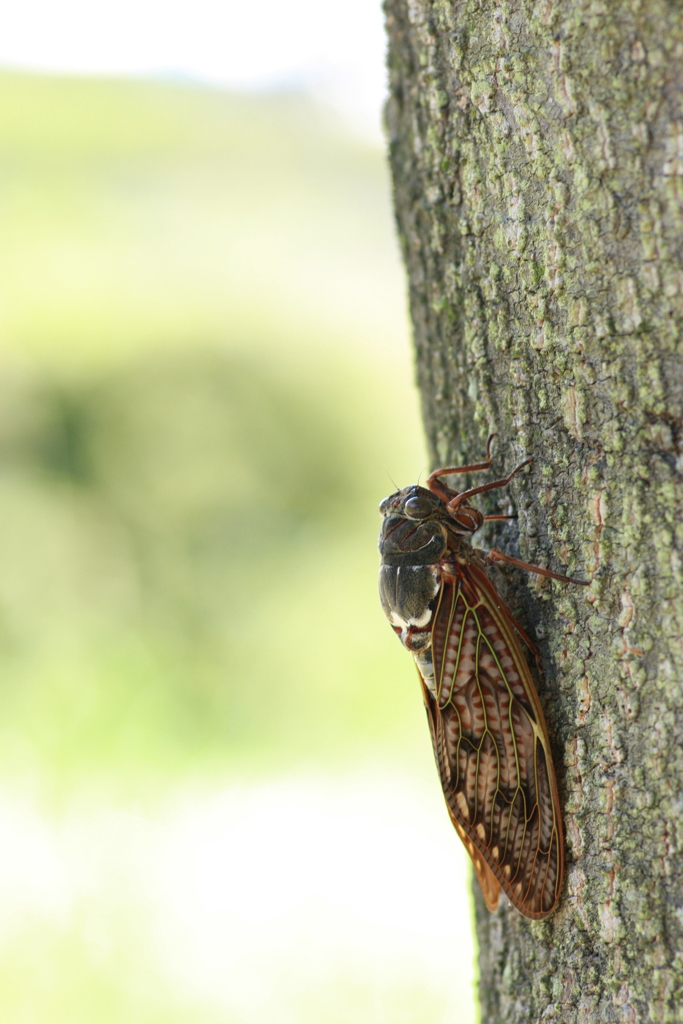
(336, 49)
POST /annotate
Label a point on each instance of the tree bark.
(537, 156)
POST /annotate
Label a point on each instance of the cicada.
(488, 731)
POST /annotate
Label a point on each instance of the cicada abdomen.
(489, 734)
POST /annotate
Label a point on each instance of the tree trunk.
(537, 155)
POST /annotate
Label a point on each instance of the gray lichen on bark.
(537, 156)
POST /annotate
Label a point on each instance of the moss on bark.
(537, 155)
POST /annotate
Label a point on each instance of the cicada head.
(413, 503)
(412, 531)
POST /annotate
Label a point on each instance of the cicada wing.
(491, 746)
(487, 880)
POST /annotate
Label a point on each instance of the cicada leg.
(494, 556)
(492, 486)
(446, 493)
(454, 499)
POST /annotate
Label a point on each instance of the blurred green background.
(217, 798)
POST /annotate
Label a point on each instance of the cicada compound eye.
(417, 507)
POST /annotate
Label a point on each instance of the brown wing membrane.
(491, 746)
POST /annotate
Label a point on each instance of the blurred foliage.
(168, 530)
(198, 401)
(204, 393)
(148, 214)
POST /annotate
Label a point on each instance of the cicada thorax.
(489, 735)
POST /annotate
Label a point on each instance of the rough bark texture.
(537, 154)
